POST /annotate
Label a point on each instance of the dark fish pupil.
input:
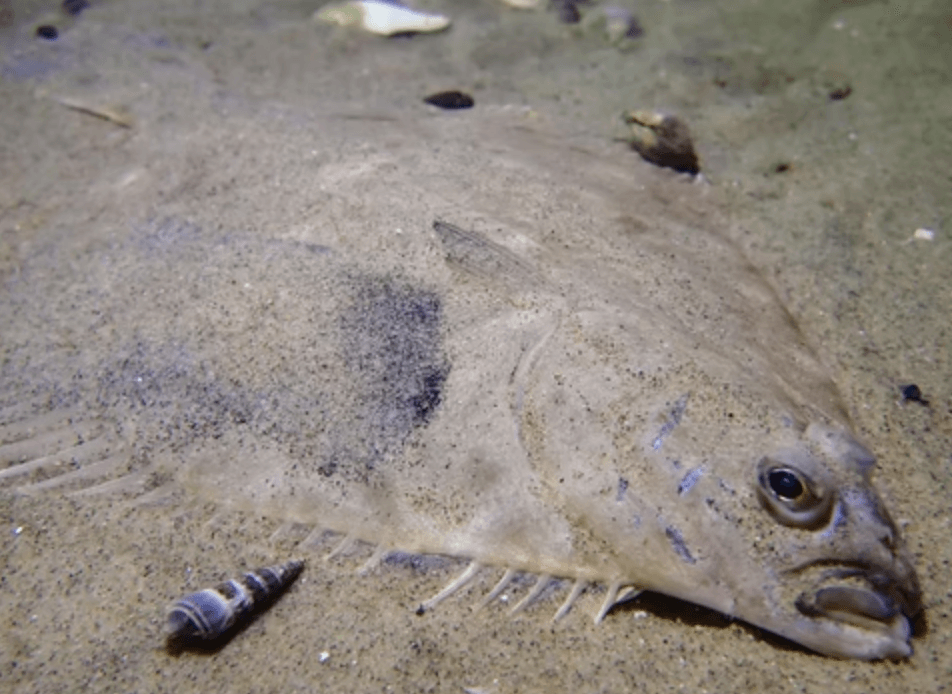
(785, 484)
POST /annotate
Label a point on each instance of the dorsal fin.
(478, 255)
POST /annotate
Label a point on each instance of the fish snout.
(874, 596)
(900, 582)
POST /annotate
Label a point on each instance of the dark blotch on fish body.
(393, 339)
(622, 488)
(912, 393)
(690, 478)
(392, 342)
(676, 538)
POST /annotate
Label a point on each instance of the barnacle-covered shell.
(210, 614)
(662, 139)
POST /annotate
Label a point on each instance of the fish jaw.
(883, 640)
(857, 610)
(853, 611)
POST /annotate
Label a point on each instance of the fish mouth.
(867, 599)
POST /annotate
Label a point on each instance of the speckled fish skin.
(573, 373)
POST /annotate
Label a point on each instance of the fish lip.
(877, 599)
(848, 603)
(854, 629)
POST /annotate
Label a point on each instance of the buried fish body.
(572, 373)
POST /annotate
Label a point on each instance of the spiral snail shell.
(210, 614)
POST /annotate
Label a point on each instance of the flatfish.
(464, 335)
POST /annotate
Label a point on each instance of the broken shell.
(523, 4)
(116, 114)
(383, 18)
(663, 140)
(210, 614)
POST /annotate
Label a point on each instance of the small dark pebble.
(47, 31)
(450, 100)
(623, 21)
(567, 11)
(913, 393)
(840, 93)
(74, 7)
(635, 30)
(782, 167)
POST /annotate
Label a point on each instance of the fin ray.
(452, 587)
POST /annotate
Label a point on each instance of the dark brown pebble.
(450, 100)
(635, 30)
(567, 11)
(624, 24)
(840, 93)
(74, 7)
(47, 31)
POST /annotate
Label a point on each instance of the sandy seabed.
(825, 196)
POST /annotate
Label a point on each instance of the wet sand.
(825, 195)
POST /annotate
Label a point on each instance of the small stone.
(621, 24)
(567, 11)
(450, 100)
(74, 7)
(840, 93)
(47, 31)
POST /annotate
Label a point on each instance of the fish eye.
(784, 484)
(792, 496)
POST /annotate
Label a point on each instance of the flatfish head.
(485, 341)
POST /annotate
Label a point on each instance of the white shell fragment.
(523, 4)
(383, 18)
(210, 614)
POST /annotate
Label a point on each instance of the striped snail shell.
(210, 614)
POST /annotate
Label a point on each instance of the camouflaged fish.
(563, 368)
